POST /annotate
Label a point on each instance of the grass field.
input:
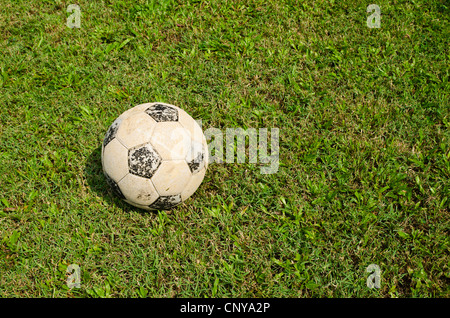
(364, 171)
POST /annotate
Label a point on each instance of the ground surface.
(364, 167)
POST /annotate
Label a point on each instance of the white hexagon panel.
(136, 129)
(154, 156)
(172, 177)
(138, 190)
(171, 140)
(115, 160)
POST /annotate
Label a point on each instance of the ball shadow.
(96, 180)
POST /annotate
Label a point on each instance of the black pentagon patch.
(198, 155)
(161, 112)
(143, 161)
(114, 186)
(111, 132)
(166, 202)
(197, 163)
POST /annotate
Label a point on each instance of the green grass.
(364, 148)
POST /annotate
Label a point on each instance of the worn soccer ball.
(154, 156)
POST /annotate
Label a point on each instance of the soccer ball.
(154, 156)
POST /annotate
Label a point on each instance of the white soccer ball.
(154, 156)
